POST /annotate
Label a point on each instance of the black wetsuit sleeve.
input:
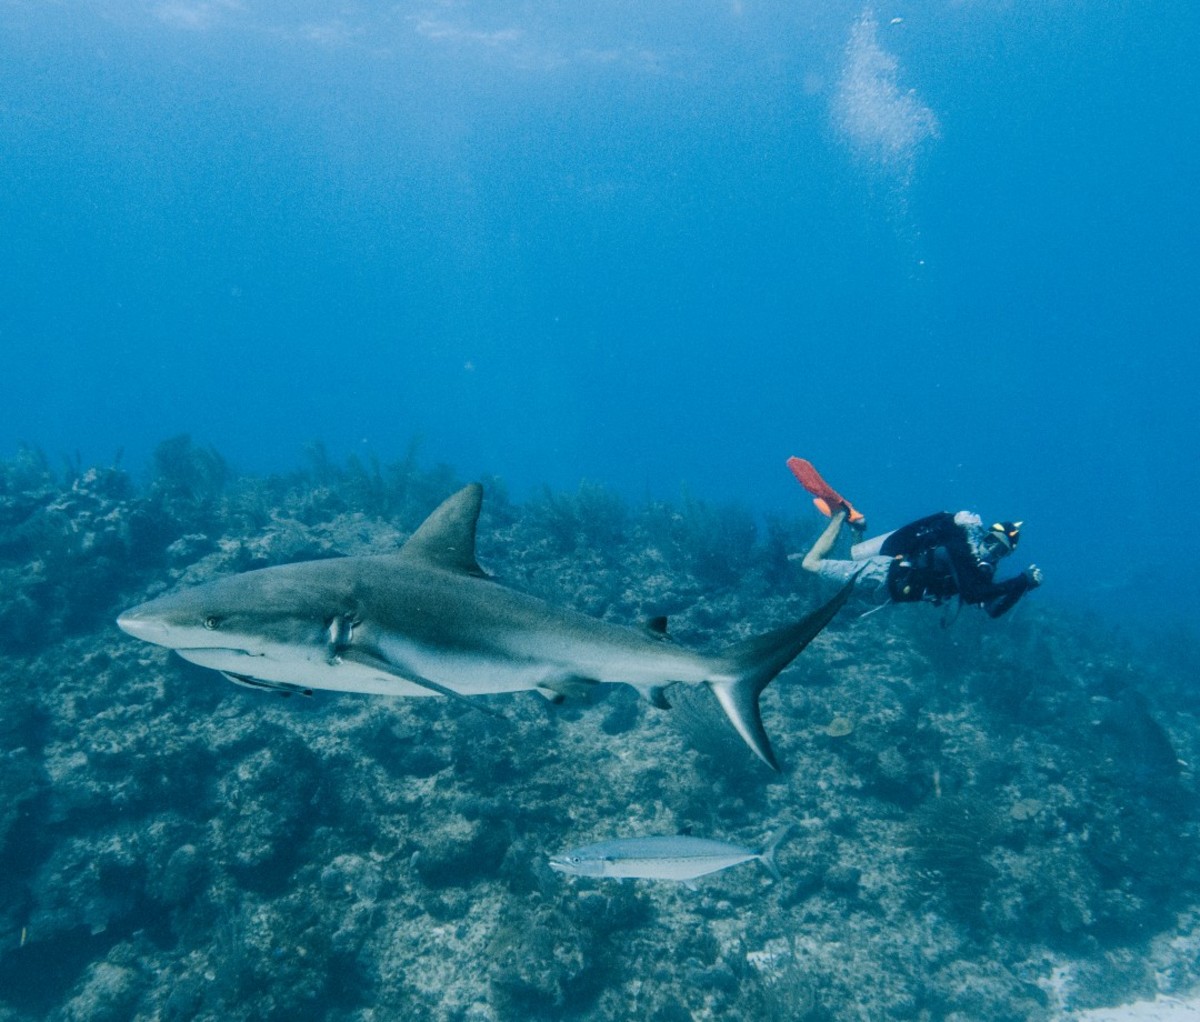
(975, 584)
(1005, 594)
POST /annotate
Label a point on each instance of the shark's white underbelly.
(525, 665)
(522, 667)
(316, 672)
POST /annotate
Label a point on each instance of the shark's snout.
(143, 626)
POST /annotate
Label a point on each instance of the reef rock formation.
(996, 820)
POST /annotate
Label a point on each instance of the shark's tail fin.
(754, 664)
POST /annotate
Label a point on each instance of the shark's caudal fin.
(756, 661)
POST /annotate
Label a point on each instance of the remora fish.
(663, 858)
(427, 620)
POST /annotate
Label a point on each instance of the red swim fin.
(825, 496)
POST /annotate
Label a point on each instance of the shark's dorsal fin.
(447, 537)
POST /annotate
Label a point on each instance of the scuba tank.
(870, 547)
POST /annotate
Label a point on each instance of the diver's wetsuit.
(946, 559)
(954, 567)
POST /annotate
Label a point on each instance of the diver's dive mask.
(1002, 538)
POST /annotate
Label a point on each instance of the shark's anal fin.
(655, 695)
(365, 659)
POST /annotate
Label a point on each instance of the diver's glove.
(1034, 574)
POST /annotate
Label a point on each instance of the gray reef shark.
(428, 620)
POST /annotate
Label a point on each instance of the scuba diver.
(933, 559)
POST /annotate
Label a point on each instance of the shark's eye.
(210, 623)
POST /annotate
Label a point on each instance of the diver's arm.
(1005, 594)
(976, 586)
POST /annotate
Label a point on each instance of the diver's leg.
(820, 549)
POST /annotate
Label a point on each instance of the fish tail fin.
(755, 662)
(767, 855)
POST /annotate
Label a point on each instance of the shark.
(429, 621)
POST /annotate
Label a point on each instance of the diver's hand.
(1034, 574)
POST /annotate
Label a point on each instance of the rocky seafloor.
(992, 820)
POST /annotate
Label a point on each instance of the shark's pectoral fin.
(375, 663)
(284, 688)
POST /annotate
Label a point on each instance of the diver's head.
(1002, 539)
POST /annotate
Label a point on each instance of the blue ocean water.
(947, 251)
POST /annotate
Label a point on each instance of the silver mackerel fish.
(678, 857)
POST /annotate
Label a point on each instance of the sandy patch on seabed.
(1161, 1009)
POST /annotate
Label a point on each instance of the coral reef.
(991, 820)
